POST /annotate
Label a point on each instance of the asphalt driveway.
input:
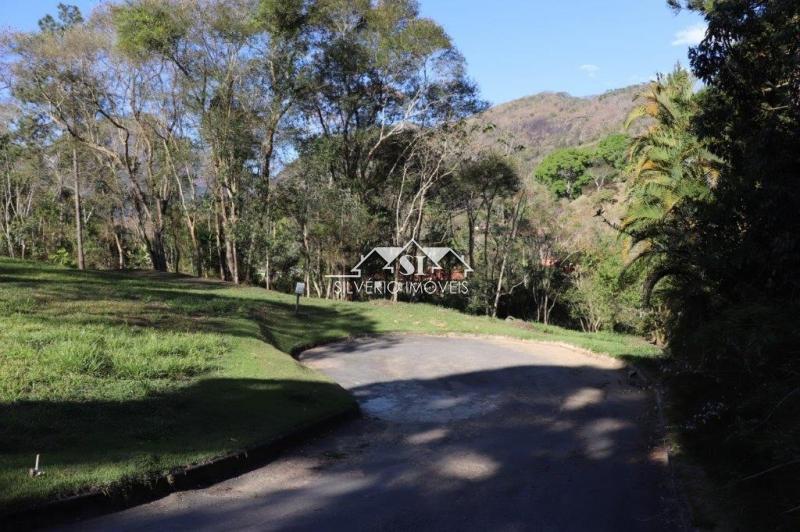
(457, 434)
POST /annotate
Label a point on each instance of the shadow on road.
(528, 447)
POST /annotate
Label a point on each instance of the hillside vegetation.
(549, 120)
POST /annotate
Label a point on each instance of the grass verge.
(116, 378)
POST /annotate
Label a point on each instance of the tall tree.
(565, 171)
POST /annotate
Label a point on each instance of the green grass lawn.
(115, 378)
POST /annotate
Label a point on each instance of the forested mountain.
(549, 120)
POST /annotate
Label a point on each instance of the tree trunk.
(228, 234)
(396, 273)
(509, 240)
(158, 253)
(158, 256)
(499, 290)
(486, 241)
(10, 245)
(230, 254)
(306, 258)
(120, 252)
(78, 215)
(249, 261)
(218, 236)
(471, 237)
(266, 271)
(7, 230)
(196, 257)
(546, 313)
(396, 278)
(177, 257)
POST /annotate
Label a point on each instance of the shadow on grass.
(182, 304)
(130, 437)
(159, 432)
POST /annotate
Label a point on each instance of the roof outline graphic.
(390, 254)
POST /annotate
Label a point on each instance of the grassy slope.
(116, 377)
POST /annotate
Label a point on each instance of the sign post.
(299, 290)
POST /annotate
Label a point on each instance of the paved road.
(458, 434)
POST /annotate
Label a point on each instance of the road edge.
(116, 498)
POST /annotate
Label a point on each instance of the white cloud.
(690, 36)
(591, 70)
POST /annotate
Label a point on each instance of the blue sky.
(519, 47)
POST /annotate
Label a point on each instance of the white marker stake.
(35, 472)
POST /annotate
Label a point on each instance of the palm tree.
(670, 165)
(672, 172)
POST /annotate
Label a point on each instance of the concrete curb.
(116, 498)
